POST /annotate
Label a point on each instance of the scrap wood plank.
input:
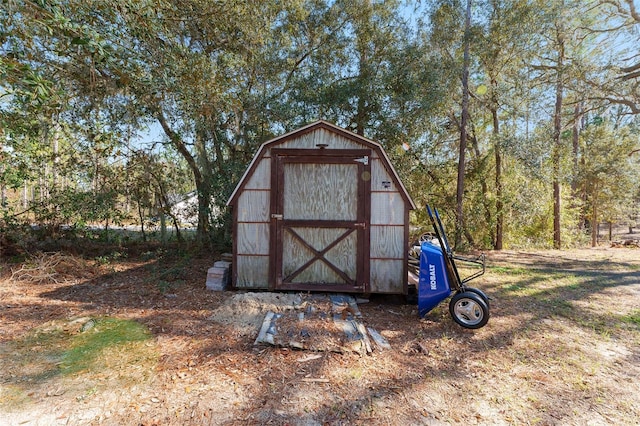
(380, 341)
(268, 329)
(315, 329)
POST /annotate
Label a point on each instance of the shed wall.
(252, 231)
(388, 232)
(311, 140)
(388, 226)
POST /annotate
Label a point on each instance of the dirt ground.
(562, 347)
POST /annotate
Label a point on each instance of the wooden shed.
(321, 209)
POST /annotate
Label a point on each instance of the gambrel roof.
(321, 124)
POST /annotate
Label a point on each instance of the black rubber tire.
(469, 310)
(480, 293)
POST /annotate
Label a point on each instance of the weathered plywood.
(320, 191)
(388, 242)
(387, 276)
(253, 206)
(296, 254)
(387, 208)
(253, 238)
(321, 136)
(320, 273)
(314, 197)
(261, 177)
(252, 271)
(381, 180)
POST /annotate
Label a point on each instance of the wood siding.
(252, 234)
(388, 232)
(387, 242)
(251, 271)
(388, 207)
(387, 276)
(321, 137)
(318, 191)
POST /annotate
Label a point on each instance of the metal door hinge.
(277, 216)
(364, 160)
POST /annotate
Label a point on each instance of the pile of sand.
(246, 311)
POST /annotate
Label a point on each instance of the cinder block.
(218, 276)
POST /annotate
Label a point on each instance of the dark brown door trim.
(361, 226)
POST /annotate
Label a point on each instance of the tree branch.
(632, 10)
(631, 68)
(180, 146)
(630, 75)
(635, 108)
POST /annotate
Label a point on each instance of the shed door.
(320, 216)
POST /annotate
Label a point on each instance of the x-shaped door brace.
(319, 255)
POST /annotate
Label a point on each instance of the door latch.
(277, 216)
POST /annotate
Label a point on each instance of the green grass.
(86, 348)
(65, 348)
(507, 270)
(632, 318)
(57, 350)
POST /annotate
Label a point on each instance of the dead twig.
(50, 268)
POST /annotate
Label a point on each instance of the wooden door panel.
(320, 191)
(320, 219)
(320, 255)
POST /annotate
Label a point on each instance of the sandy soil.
(561, 348)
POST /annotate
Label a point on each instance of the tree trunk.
(141, 216)
(557, 130)
(483, 187)
(202, 186)
(499, 204)
(463, 130)
(575, 138)
(25, 195)
(594, 218)
(56, 157)
(160, 208)
(498, 158)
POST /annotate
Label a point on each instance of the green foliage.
(108, 258)
(80, 80)
(78, 209)
(607, 176)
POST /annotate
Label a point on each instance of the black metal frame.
(457, 284)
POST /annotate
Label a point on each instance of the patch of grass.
(62, 348)
(109, 258)
(55, 349)
(86, 348)
(36, 354)
(509, 270)
(632, 318)
(515, 287)
(560, 307)
(523, 289)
